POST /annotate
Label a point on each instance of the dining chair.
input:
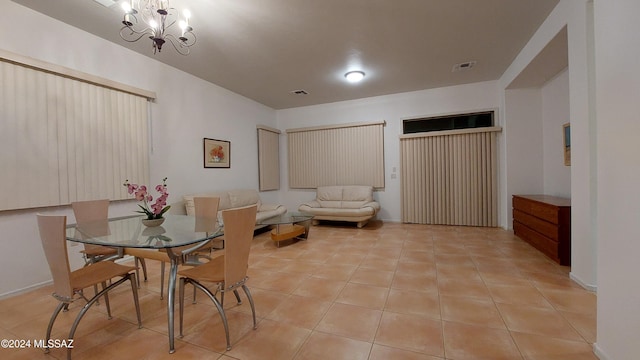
(67, 284)
(206, 210)
(88, 211)
(229, 271)
(97, 210)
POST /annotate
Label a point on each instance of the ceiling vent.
(300, 92)
(106, 3)
(463, 66)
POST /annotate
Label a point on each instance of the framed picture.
(566, 137)
(217, 153)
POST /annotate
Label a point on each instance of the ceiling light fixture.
(354, 76)
(157, 19)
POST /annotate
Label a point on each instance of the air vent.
(463, 66)
(300, 92)
(106, 3)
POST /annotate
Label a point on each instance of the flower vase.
(152, 222)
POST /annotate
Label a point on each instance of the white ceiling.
(264, 49)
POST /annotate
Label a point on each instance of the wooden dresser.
(545, 223)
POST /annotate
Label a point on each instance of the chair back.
(90, 210)
(54, 242)
(238, 234)
(206, 212)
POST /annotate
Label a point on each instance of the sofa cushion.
(244, 197)
(225, 201)
(329, 196)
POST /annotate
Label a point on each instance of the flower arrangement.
(159, 207)
(217, 154)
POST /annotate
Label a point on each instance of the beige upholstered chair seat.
(352, 203)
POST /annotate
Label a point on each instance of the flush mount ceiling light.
(354, 76)
(156, 21)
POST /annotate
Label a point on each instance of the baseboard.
(589, 287)
(599, 353)
(24, 290)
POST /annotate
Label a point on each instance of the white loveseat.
(230, 199)
(352, 203)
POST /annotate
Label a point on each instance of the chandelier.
(154, 18)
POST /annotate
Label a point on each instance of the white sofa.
(353, 203)
(230, 199)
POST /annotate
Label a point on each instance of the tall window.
(67, 136)
(351, 154)
(269, 158)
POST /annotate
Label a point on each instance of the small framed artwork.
(566, 138)
(217, 153)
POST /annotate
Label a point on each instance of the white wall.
(575, 16)
(186, 110)
(524, 146)
(393, 109)
(555, 113)
(617, 49)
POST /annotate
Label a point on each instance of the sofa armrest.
(312, 204)
(267, 207)
(373, 204)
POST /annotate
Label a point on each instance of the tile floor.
(388, 291)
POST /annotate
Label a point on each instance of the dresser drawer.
(543, 211)
(544, 227)
(544, 244)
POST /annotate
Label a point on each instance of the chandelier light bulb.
(126, 7)
(153, 24)
(354, 76)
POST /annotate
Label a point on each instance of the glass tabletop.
(177, 230)
(287, 218)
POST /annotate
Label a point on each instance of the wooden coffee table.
(289, 226)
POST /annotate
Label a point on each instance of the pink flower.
(155, 210)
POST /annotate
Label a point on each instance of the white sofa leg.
(361, 224)
(315, 222)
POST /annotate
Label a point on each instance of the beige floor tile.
(417, 268)
(471, 342)
(320, 346)
(271, 340)
(373, 277)
(414, 302)
(209, 333)
(265, 301)
(573, 300)
(379, 352)
(547, 322)
(463, 288)
(354, 322)
(322, 298)
(411, 332)
(471, 310)
(414, 282)
(336, 272)
(301, 311)
(518, 294)
(280, 281)
(368, 296)
(585, 324)
(379, 263)
(320, 288)
(536, 347)
(417, 256)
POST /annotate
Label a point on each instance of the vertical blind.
(268, 158)
(351, 154)
(64, 139)
(450, 177)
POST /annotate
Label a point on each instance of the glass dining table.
(129, 232)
